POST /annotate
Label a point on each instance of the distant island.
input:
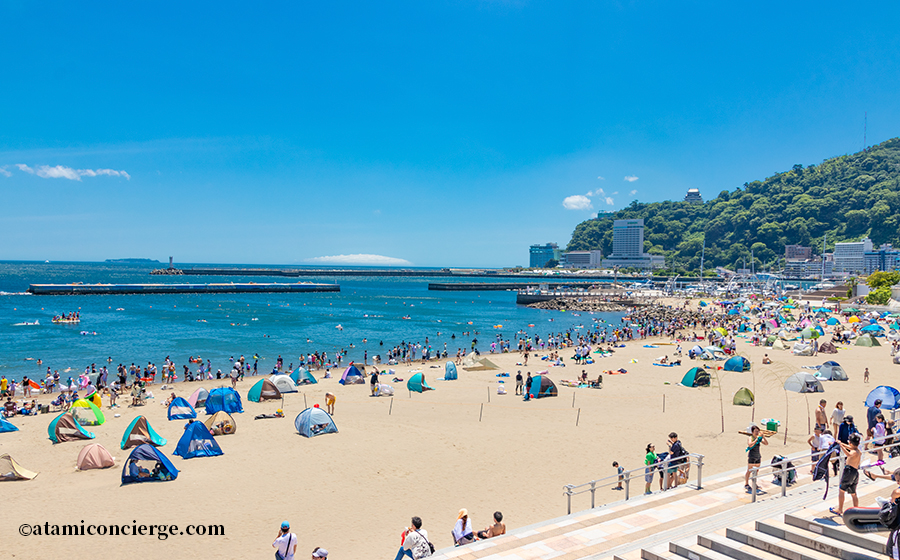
(132, 261)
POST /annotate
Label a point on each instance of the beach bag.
(430, 546)
(889, 515)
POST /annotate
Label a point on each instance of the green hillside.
(849, 197)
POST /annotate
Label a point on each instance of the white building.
(628, 247)
(693, 196)
(583, 259)
(850, 258)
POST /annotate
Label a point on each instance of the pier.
(499, 286)
(129, 289)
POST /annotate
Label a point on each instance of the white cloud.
(577, 202)
(632, 193)
(4, 172)
(63, 172)
(598, 192)
(360, 259)
(609, 200)
(615, 193)
(631, 178)
(601, 178)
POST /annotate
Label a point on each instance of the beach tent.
(417, 384)
(803, 382)
(11, 470)
(382, 390)
(744, 397)
(696, 351)
(875, 330)
(221, 423)
(471, 360)
(94, 456)
(86, 413)
(301, 376)
(450, 371)
(482, 364)
(65, 428)
(140, 432)
(890, 397)
(95, 398)
(224, 398)
(867, 340)
(314, 422)
(148, 464)
(712, 353)
(180, 409)
(695, 377)
(737, 363)
(263, 390)
(542, 386)
(853, 319)
(832, 321)
(779, 345)
(7, 426)
(802, 349)
(351, 376)
(827, 348)
(810, 332)
(198, 398)
(284, 383)
(832, 371)
(197, 441)
(893, 335)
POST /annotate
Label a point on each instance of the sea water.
(371, 312)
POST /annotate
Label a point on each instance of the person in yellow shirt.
(4, 387)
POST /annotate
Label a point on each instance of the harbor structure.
(130, 289)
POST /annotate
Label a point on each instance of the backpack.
(889, 515)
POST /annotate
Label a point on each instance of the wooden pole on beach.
(489, 393)
(304, 401)
(573, 400)
(391, 409)
(664, 402)
(480, 414)
(578, 417)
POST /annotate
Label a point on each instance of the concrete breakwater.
(120, 289)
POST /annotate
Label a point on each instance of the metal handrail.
(782, 465)
(625, 478)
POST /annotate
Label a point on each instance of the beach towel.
(821, 469)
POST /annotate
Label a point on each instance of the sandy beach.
(420, 454)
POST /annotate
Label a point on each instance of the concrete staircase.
(716, 523)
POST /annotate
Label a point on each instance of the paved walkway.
(623, 527)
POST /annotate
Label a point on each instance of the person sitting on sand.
(766, 359)
(169, 400)
(462, 530)
(495, 530)
(136, 471)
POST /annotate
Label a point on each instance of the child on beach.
(850, 475)
(620, 471)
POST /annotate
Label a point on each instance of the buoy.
(316, 405)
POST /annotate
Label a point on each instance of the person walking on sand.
(329, 403)
(850, 475)
(285, 544)
(754, 457)
(519, 383)
(866, 376)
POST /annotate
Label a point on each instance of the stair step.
(874, 542)
(689, 549)
(773, 545)
(722, 545)
(818, 542)
(659, 552)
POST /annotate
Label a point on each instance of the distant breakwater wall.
(122, 289)
(498, 286)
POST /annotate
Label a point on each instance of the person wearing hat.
(285, 544)
(319, 553)
(462, 530)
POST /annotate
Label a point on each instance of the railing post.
(753, 474)
(783, 478)
(627, 484)
(593, 493)
(569, 499)
(699, 472)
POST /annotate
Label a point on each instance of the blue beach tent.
(147, 464)
(314, 422)
(301, 376)
(450, 372)
(180, 409)
(351, 376)
(876, 330)
(737, 363)
(832, 321)
(417, 384)
(7, 426)
(695, 377)
(225, 399)
(197, 441)
(542, 386)
(890, 397)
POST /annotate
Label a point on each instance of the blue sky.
(442, 133)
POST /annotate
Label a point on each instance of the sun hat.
(462, 513)
(320, 553)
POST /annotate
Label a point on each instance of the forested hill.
(849, 197)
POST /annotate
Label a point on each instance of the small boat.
(26, 324)
(67, 321)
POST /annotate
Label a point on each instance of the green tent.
(867, 340)
(695, 377)
(744, 397)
